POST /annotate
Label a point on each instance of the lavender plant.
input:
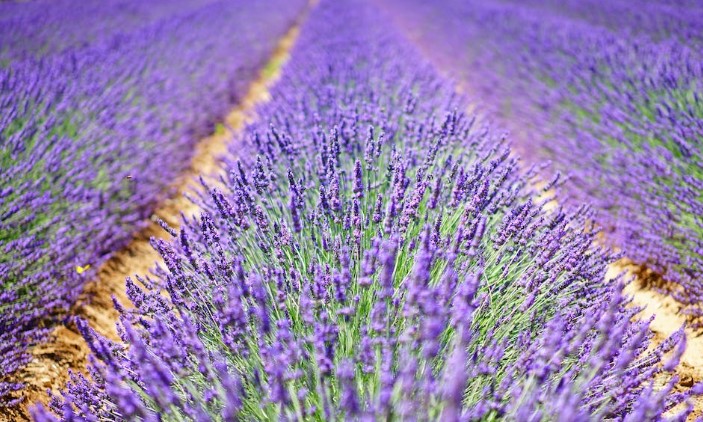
(93, 129)
(373, 254)
(611, 93)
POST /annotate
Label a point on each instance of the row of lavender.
(93, 130)
(611, 92)
(660, 20)
(375, 255)
(44, 27)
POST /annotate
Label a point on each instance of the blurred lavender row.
(659, 20)
(375, 254)
(45, 27)
(612, 92)
(101, 104)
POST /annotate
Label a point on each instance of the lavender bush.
(611, 92)
(92, 130)
(375, 255)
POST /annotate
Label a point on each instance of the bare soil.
(644, 290)
(66, 349)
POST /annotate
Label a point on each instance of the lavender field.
(351, 210)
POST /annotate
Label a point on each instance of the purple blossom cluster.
(610, 92)
(101, 104)
(374, 253)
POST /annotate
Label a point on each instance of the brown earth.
(643, 288)
(66, 350)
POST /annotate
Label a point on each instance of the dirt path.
(666, 312)
(667, 320)
(66, 350)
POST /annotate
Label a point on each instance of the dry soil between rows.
(667, 320)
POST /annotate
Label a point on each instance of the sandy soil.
(66, 350)
(644, 288)
(667, 319)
